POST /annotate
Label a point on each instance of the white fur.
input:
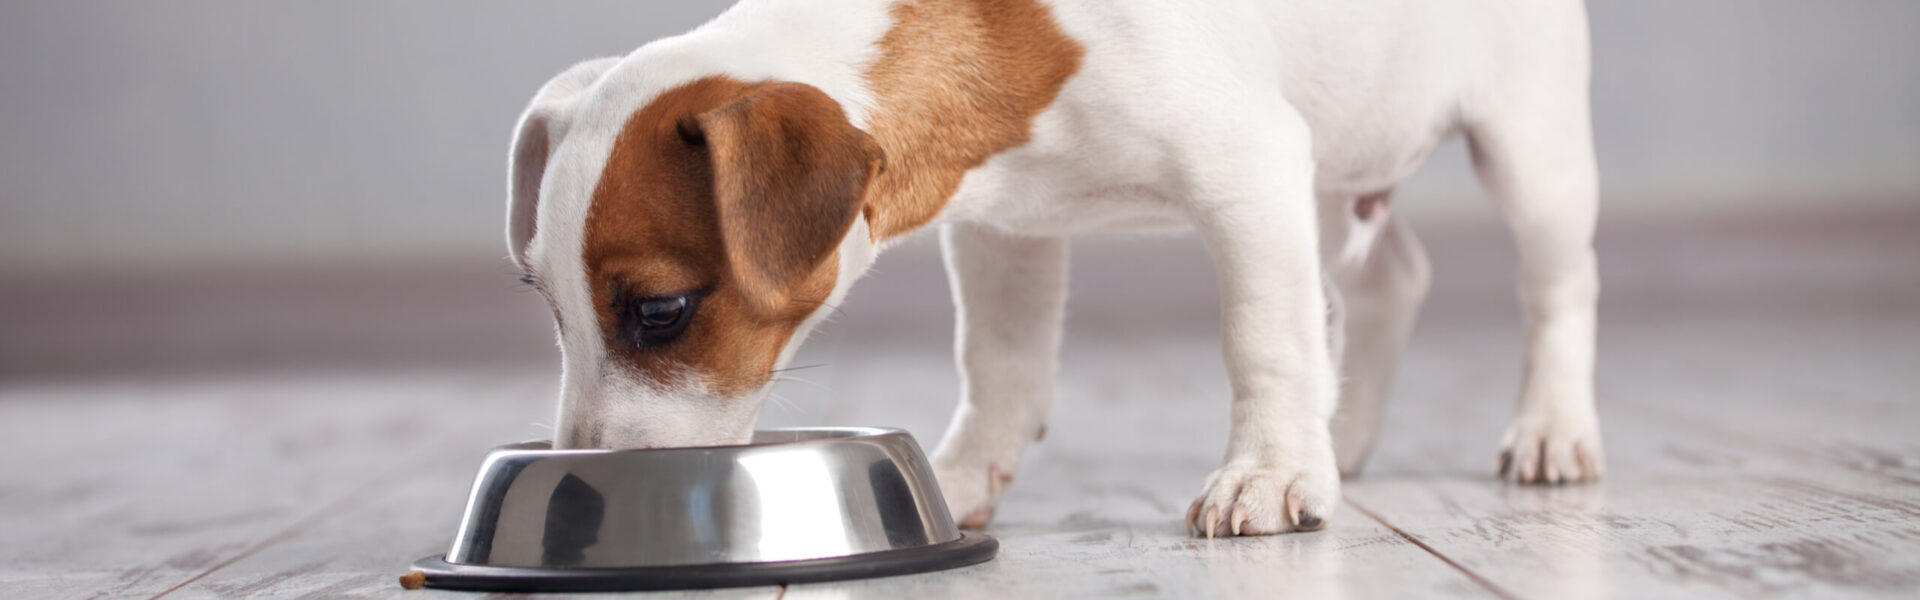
(601, 404)
(1254, 123)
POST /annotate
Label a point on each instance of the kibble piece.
(413, 580)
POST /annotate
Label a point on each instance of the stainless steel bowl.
(794, 505)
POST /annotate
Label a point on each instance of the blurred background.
(216, 184)
(205, 184)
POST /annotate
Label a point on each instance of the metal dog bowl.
(795, 505)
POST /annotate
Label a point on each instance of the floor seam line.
(1483, 582)
(296, 528)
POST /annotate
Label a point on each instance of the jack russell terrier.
(693, 209)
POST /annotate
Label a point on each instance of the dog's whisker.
(798, 368)
(784, 404)
(805, 381)
(542, 430)
(835, 308)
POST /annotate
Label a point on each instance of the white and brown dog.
(690, 210)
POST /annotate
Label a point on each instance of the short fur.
(767, 156)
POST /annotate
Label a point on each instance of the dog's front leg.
(1009, 293)
(1279, 472)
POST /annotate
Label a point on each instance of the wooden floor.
(1758, 383)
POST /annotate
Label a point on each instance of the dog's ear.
(541, 127)
(789, 175)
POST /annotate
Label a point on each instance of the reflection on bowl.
(794, 505)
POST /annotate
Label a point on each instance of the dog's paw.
(972, 487)
(1552, 447)
(1254, 498)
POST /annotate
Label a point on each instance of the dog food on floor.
(413, 580)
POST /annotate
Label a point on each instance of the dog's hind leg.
(1533, 150)
(1379, 275)
(1009, 293)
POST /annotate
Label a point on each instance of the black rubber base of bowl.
(971, 548)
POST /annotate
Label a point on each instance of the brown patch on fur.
(733, 188)
(790, 171)
(957, 82)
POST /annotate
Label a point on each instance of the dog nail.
(1293, 510)
(1193, 517)
(1237, 517)
(1309, 522)
(1213, 520)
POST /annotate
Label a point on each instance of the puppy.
(692, 209)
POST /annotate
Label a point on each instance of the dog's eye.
(661, 313)
(656, 320)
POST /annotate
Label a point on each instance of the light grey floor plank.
(1796, 387)
(1097, 508)
(1720, 522)
(1097, 557)
(360, 552)
(1712, 492)
(200, 473)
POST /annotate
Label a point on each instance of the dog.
(693, 209)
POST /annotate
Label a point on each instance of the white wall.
(151, 136)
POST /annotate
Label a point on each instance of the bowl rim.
(972, 548)
(855, 432)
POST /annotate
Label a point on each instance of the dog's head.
(687, 232)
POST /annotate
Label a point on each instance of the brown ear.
(789, 171)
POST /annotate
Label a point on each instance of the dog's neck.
(952, 84)
(955, 83)
(941, 85)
